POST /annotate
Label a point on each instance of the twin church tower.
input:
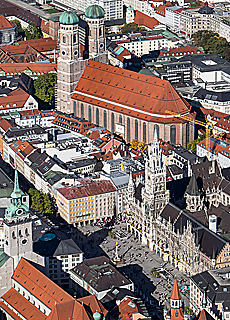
(80, 41)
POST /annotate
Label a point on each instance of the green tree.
(40, 201)
(194, 4)
(192, 144)
(44, 87)
(128, 27)
(19, 27)
(32, 32)
(189, 311)
(211, 42)
(47, 204)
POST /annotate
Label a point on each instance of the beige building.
(89, 201)
(193, 20)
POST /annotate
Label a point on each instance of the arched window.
(128, 130)
(105, 119)
(173, 134)
(63, 39)
(120, 119)
(136, 129)
(144, 132)
(112, 122)
(97, 117)
(82, 110)
(74, 38)
(13, 234)
(89, 114)
(100, 31)
(156, 127)
(187, 133)
(26, 232)
(74, 108)
(20, 232)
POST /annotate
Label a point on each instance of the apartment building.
(87, 202)
(143, 42)
(113, 8)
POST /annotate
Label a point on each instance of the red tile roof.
(22, 305)
(5, 23)
(161, 9)
(35, 68)
(128, 92)
(37, 283)
(181, 51)
(41, 44)
(143, 20)
(87, 188)
(5, 124)
(22, 148)
(16, 99)
(45, 26)
(9, 311)
(175, 295)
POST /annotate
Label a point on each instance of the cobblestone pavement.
(138, 261)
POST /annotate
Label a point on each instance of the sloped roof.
(203, 315)
(129, 92)
(5, 23)
(175, 295)
(67, 247)
(22, 305)
(100, 273)
(41, 45)
(16, 99)
(34, 68)
(192, 188)
(87, 188)
(42, 287)
(143, 20)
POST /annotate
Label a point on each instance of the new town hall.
(194, 239)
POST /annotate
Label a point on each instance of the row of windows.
(137, 136)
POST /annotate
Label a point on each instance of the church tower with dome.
(80, 41)
(18, 225)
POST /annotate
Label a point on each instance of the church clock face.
(101, 45)
(19, 212)
(24, 241)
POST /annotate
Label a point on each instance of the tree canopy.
(139, 146)
(128, 27)
(192, 144)
(194, 4)
(44, 87)
(32, 32)
(40, 201)
(19, 27)
(211, 42)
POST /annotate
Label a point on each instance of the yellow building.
(87, 202)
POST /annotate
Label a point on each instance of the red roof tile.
(35, 68)
(143, 20)
(41, 44)
(16, 99)
(181, 51)
(5, 124)
(87, 188)
(37, 283)
(175, 295)
(22, 305)
(5, 23)
(128, 92)
(45, 26)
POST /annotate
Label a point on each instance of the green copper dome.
(68, 17)
(130, 8)
(94, 12)
(97, 316)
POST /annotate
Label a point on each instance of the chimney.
(212, 223)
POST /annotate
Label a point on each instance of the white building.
(113, 8)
